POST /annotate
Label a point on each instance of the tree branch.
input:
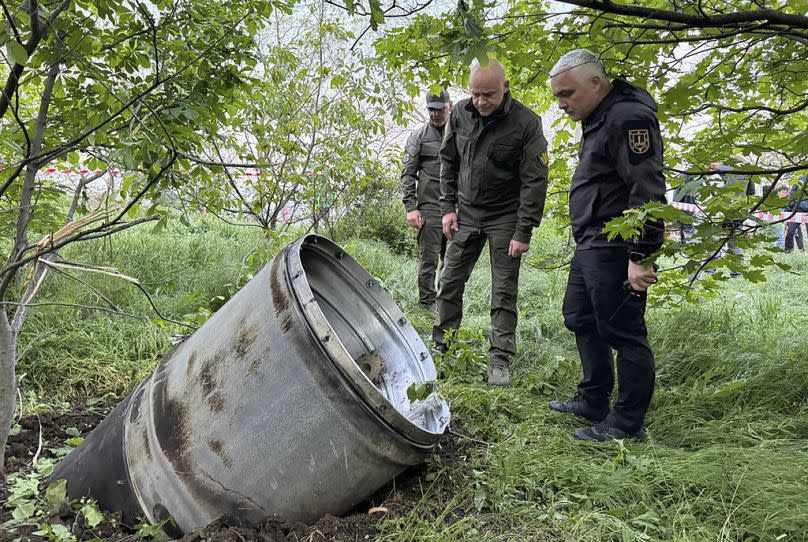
(33, 41)
(780, 171)
(753, 108)
(26, 195)
(699, 21)
(94, 233)
(56, 268)
(139, 96)
(208, 162)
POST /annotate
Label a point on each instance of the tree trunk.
(8, 382)
(8, 332)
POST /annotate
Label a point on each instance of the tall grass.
(70, 352)
(727, 455)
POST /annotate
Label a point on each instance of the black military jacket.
(420, 178)
(620, 168)
(494, 171)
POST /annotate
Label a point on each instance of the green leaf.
(190, 114)
(16, 53)
(376, 14)
(480, 499)
(23, 509)
(618, 512)
(45, 466)
(92, 516)
(754, 275)
(74, 441)
(24, 18)
(55, 532)
(56, 494)
(133, 211)
(416, 392)
(799, 6)
(154, 532)
(127, 182)
(161, 224)
(729, 389)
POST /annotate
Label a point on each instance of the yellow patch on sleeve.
(639, 141)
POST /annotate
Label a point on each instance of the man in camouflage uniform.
(420, 183)
(620, 168)
(493, 184)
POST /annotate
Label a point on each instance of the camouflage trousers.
(431, 249)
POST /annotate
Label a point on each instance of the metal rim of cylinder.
(378, 404)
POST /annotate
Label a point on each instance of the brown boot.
(498, 375)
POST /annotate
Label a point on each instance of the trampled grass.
(727, 455)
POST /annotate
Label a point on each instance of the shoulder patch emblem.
(544, 158)
(639, 136)
(639, 141)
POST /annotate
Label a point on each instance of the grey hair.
(579, 57)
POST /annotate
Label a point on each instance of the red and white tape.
(84, 171)
(799, 218)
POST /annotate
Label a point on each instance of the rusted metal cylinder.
(290, 401)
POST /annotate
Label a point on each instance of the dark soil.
(21, 448)
(395, 499)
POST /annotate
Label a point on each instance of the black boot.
(605, 431)
(578, 406)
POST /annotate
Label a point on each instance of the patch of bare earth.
(393, 500)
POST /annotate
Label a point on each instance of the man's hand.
(450, 225)
(641, 277)
(414, 219)
(516, 248)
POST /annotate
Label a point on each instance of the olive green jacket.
(494, 171)
(420, 177)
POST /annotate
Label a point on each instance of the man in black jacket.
(620, 168)
(798, 204)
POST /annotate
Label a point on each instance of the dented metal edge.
(378, 405)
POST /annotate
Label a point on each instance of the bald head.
(492, 70)
(488, 85)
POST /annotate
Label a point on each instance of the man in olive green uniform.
(420, 183)
(493, 184)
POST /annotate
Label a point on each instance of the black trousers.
(604, 317)
(793, 234)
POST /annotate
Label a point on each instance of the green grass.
(71, 352)
(727, 455)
